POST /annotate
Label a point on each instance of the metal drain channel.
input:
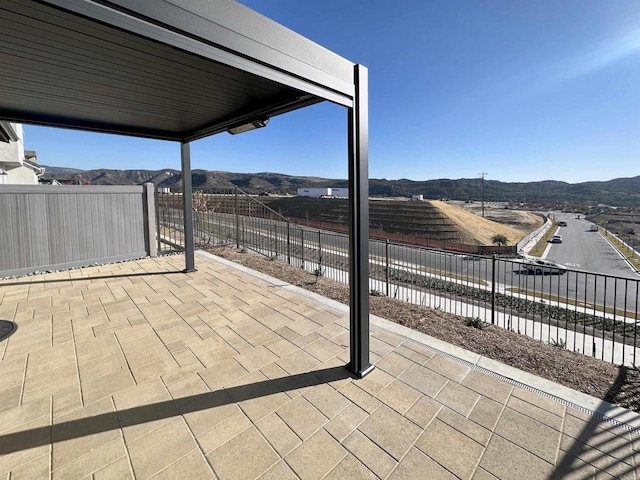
(542, 393)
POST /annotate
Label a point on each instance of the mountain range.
(621, 192)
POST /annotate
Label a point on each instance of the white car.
(556, 239)
(538, 266)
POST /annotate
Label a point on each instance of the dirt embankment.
(476, 229)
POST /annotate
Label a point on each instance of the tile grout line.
(558, 447)
(122, 437)
(413, 444)
(51, 433)
(198, 446)
(75, 354)
(126, 361)
(24, 378)
(492, 430)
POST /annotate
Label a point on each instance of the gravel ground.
(603, 380)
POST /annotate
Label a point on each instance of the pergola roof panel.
(64, 69)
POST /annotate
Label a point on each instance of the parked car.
(556, 239)
(544, 267)
(593, 228)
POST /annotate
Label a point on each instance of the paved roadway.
(585, 250)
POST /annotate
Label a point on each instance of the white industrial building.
(323, 192)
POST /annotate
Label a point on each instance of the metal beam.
(187, 208)
(358, 120)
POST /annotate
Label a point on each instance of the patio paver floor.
(137, 370)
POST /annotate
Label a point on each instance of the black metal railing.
(586, 312)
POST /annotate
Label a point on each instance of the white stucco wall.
(12, 161)
(20, 175)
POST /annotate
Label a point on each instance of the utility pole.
(482, 174)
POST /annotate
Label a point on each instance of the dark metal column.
(187, 208)
(358, 120)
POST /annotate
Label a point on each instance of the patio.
(137, 370)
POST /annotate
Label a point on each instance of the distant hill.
(622, 192)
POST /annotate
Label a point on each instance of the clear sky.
(523, 90)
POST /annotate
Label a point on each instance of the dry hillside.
(476, 229)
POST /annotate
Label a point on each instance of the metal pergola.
(182, 70)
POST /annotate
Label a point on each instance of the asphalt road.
(585, 250)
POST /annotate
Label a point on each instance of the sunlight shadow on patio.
(13, 442)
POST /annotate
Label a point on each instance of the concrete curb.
(552, 389)
(531, 240)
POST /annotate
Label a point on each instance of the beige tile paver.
(120, 469)
(346, 422)
(486, 413)
(247, 455)
(326, 399)
(377, 460)
(280, 471)
(391, 431)
(417, 465)
(278, 434)
(302, 417)
(457, 398)
(487, 386)
(448, 368)
(450, 448)
(316, 457)
(160, 448)
(423, 379)
(530, 434)
(508, 461)
(223, 431)
(399, 396)
(189, 375)
(350, 467)
(394, 364)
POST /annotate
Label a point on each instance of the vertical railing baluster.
(493, 289)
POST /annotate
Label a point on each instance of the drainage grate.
(7, 329)
(516, 383)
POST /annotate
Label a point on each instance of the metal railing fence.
(585, 312)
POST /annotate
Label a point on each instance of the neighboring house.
(17, 166)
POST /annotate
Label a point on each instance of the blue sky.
(522, 90)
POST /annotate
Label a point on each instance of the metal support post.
(187, 208)
(150, 228)
(358, 121)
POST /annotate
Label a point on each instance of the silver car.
(544, 267)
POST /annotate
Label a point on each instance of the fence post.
(289, 243)
(493, 289)
(319, 250)
(148, 205)
(387, 264)
(275, 236)
(237, 218)
(302, 246)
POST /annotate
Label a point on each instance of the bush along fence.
(590, 313)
